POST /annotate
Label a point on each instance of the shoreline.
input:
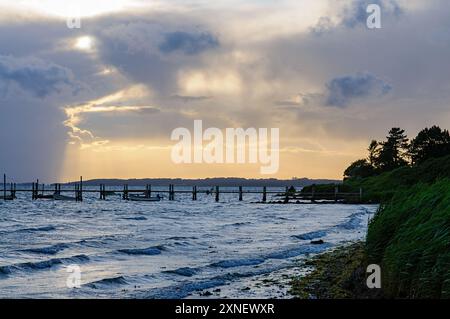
(336, 274)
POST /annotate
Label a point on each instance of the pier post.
(240, 193)
(217, 193)
(81, 188)
(336, 190)
(194, 193)
(14, 191)
(171, 192)
(56, 188)
(148, 191)
(4, 186)
(286, 197)
(32, 191)
(101, 191)
(360, 194)
(264, 198)
(313, 193)
(125, 192)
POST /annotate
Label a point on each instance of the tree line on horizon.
(398, 151)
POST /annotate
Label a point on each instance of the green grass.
(410, 239)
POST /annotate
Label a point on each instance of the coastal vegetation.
(409, 237)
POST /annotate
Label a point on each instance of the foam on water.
(167, 249)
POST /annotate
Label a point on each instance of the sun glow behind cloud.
(72, 8)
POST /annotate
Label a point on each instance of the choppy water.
(160, 250)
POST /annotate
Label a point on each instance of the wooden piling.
(336, 190)
(171, 192)
(217, 193)
(194, 193)
(286, 197)
(264, 198)
(240, 193)
(125, 192)
(81, 188)
(360, 194)
(4, 186)
(313, 193)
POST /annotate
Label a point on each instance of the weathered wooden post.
(4, 186)
(313, 193)
(264, 198)
(336, 190)
(360, 194)
(81, 188)
(171, 192)
(217, 193)
(240, 193)
(194, 193)
(32, 191)
(14, 191)
(286, 197)
(125, 192)
(101, 191)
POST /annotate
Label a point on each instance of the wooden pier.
(55, 192)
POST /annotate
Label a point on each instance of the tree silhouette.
(373, 152)
(429, 143)
(393, 151)
(360, 168)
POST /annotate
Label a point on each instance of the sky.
(102, 100)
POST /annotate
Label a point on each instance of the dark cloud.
(356, 14)
(33, 75)
(187, 99)
(342, 90)
(188, 43)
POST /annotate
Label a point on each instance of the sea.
(169, 249)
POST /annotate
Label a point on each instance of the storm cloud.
(342, 90)
(36, 76)
(188, 43)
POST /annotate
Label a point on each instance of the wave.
(135, 218)
(49, 250)
(107, 282)
(238, 262)
(354, 221)
(184, 271)
(41, 265)
(311, 235)
(150, 251)
(38, 229)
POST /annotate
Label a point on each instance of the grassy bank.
(409, 238)
(339, 274)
